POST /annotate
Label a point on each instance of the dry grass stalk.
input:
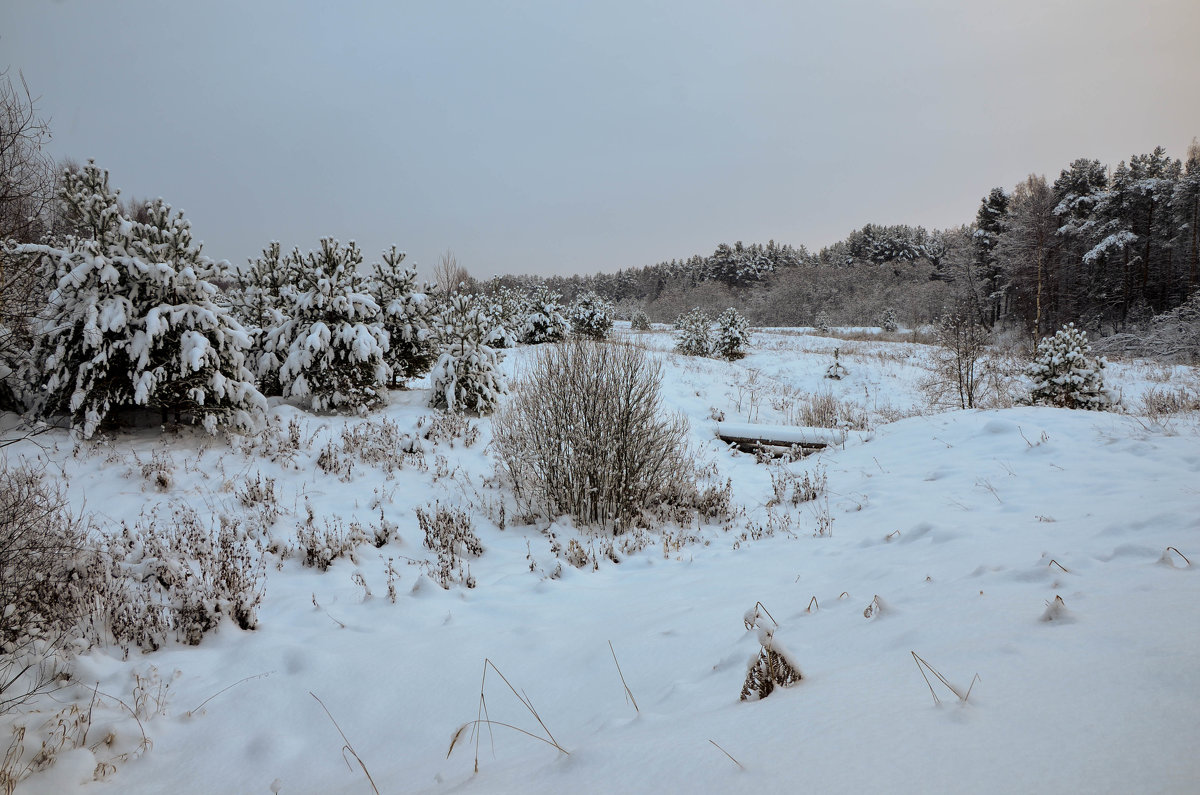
(484, 719)
(198, 707)
(924, 666)
(722, 750)
(752, 616)
(812, 605)
(628, 693)
(1177, 552)
(347, 748)
(1054, 562)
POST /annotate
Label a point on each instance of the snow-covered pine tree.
(733, 335)
(467, 375)
(507, 309)
(132, 319)
(888, 321)
(591, 316)
(406, 314)
(258, 302)
(639, 321)
(1064, 374)
(333, 344)
(821, 324)
(692, 333)
(544, 321)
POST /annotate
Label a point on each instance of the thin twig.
(347, 746)
(628, 692)
(722, 750)
(1054, 562)
(811, 604)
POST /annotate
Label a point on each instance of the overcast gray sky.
(560, 137)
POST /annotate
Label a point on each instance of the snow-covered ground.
(1027, 547)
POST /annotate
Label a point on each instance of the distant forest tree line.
(1105, 248)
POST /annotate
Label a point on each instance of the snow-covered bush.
(888, 321)
(733, 335)
(132, 318)
(405, 317)
(333, 344)
(467, 374)
(1064, 374)
(544, 321)
(585, 434)
(639, 321)
(692, 333)
(176, 577)
(821, 324)
(591, 316)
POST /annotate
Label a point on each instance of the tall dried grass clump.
(585, 434)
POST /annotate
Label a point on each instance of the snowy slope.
(945, 525)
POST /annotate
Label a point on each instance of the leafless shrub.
(954, 377)
(1161, 402)
(36, 744)
(44, 579)
(175, 577)
(446, 427)
(449, 533)
(378, 443)
(159, 470)
(803, 488)
(823, 410)
(261, 499)
(1171, 336)
(584, 434)
(278, 442)
(321, 546)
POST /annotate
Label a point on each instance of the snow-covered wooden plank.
(750, 433)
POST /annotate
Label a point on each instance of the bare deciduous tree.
(26, 171)
(26, 198)
(449, 276)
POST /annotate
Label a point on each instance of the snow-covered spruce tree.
(821, 324)
(639, 320)
(333, 344)
(1064, 374)
(258, 302)
(591, 316)
(467, 374)
(692, 333)
(406, 314)
(544, 321)
(733, 335)
(132, 321)
(888, 321)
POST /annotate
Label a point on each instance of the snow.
(1028, 546)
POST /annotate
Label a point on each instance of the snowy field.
(1033, 556)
